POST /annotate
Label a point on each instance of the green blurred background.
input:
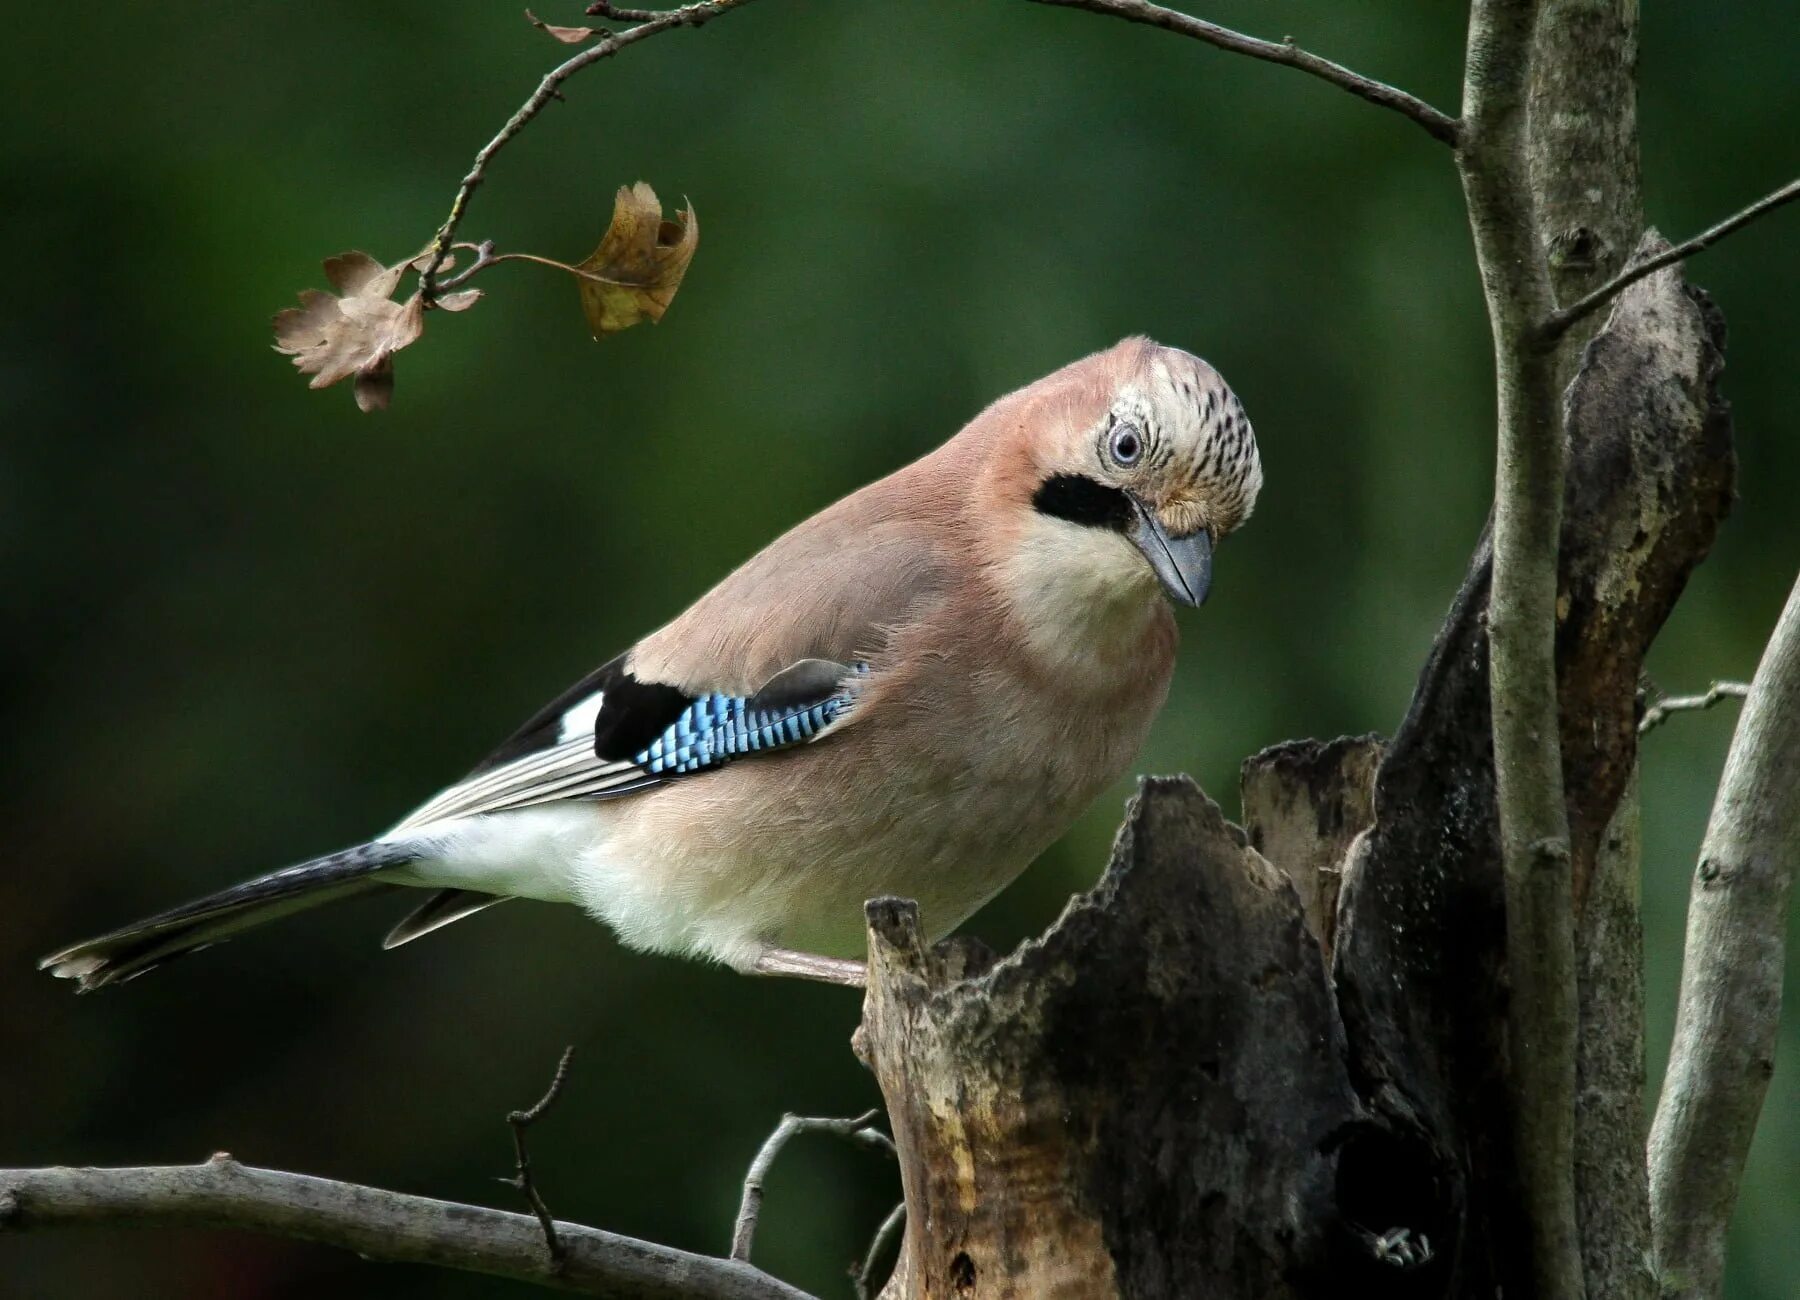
(246, 624)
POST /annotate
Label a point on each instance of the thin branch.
(862, 1277)
(1440, 126)
(1559, 321)
(650, 23)
(520, 1120)
(1658, 713)
(1542, 1013)
(604, 9)
(1731, 974)
(859, 1129)
(376, 1224)
(484, 258)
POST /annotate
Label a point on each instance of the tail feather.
(443, 908)
(128, 952)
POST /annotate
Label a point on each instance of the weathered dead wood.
(1305, 803)
(1420, 958)
(1645, 417)
(1150, 1100)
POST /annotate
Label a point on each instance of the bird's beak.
(1182, 564)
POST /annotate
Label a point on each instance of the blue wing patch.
(718, 727)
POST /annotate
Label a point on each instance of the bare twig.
(520, 1120)
(859, 1129)
(1440, 126)
(650, 23)
(1528, 492)
(604, 9)
(1658, 713)
(484, 258)
(1731, 974)
(1559, 321)
(862, 1276)
(376, 1224)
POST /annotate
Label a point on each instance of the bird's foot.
(807, 966)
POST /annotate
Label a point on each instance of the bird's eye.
(1127, 443)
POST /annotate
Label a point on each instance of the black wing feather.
(632, 714)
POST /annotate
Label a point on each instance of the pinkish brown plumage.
(951, 662)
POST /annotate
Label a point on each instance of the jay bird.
(912, 693)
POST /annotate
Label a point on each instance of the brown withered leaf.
(639, 264)
(567, 35)
(355, 331)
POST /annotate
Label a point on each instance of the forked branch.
(1559, 321)
(649, 23)
(1440, 126)
(860, 1129)
(519, 1121)
(376, 1224)
(1669, 705)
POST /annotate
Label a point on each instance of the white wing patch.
(578, 719)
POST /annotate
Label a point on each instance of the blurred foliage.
(249, 624)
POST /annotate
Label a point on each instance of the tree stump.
(1228, 1075)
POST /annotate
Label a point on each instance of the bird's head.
(1140, 461)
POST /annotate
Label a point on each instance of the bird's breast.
(952, 775)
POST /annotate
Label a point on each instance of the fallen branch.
(376, 1224)
(1731, 974)
(1558, 322)
(1440, 126)
(858, 1129)
(1659, 713)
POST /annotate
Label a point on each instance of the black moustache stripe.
(1085, 501)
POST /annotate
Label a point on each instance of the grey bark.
(1612, 1195)
(376, 1224)
(1582, 143)
(1530, 463)
(1725, 1029)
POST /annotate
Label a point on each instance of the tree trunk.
(1184, 1088)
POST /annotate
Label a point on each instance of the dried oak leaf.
(639, 264)
(567, 35)
(354, 332)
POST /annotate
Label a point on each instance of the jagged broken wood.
(1167, 1054)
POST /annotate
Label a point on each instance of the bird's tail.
(137, 948)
